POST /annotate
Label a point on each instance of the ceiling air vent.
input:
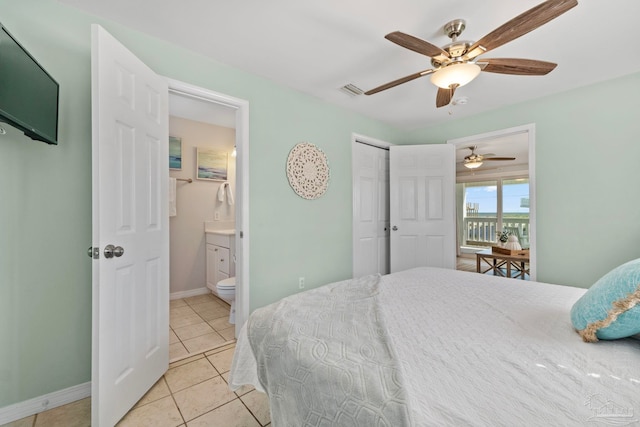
(351, 90)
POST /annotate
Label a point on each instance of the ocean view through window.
(492, 206)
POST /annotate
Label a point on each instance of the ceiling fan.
(474, 160)
(455, 64)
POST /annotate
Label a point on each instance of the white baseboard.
(190, 293)
(42, 403)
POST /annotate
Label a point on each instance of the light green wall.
(45, 197)
(45, 192)
(587, 151)
(45, 221)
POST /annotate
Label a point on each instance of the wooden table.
(516, 266)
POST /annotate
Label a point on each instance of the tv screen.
(28, 94)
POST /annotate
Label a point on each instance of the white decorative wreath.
(307, 170)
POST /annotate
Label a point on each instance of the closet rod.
(189, 180)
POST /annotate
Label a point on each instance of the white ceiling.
(318, 46)
(200, 110)
(508, 145)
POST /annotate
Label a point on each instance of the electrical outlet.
(301, 282)
(216, 216)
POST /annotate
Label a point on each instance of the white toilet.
(227, 291)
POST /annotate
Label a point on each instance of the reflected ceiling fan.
(474, 160)
(455, 64)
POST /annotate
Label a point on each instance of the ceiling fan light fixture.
(455, 74)
(472, 164)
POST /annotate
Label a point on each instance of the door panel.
(422, 188)
(406, 245)
(435, 198)
(408, 200)
(436, 248)
(130, 210)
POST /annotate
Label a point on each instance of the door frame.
(359, 139)
(241, 107)
(530, 130)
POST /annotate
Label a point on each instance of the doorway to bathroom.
(208, 149)
(130, 223)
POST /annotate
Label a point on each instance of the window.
(492, 206)
(515, 209)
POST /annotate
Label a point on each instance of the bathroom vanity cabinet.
(220, 256)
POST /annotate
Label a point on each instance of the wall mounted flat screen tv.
(28, 94)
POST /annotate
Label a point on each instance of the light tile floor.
(194, 391)
(198, 324)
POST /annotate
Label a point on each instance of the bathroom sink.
(226, 232)
(225, 228)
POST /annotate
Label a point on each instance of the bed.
(435, 347)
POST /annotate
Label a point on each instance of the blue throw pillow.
(610, 309)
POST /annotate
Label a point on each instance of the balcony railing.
(482, 231)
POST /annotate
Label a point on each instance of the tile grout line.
(184, 421)
(204, 355)
(249, 409)
(172, 393)
(212, 409)
(215, 302)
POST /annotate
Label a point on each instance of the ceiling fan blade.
(521, 67)
(415, 44)
(498, 158)
(444, 96)
(398, 82)
(521, 25)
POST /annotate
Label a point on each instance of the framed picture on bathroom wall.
(211, 164)
(175, 153)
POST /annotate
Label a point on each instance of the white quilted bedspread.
(324, 358)
(476, 350)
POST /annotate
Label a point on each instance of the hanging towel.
(221, 191)
(229, 193)
(172, 197)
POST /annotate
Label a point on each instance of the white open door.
(422, 210)
(130, 348)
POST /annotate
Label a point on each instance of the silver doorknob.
(394, 228)
(90, 251)
(110, 251)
